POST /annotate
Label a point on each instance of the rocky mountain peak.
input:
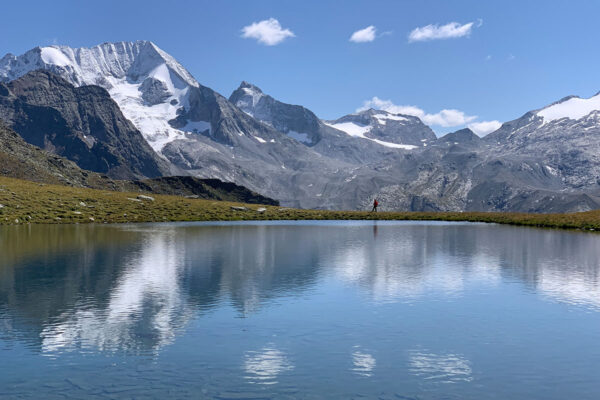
(247, 98)
(250, 86)
(465, 137)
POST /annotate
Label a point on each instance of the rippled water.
(397, 310)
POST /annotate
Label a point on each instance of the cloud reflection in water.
(363, 363)
(442, 368)
(264, 366)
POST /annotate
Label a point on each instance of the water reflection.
(573, 289)
(145, 306)
(441, 368)
(134, 288)
(425, 259)
(363, 363)
(264, 366)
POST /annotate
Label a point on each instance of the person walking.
(375, 204)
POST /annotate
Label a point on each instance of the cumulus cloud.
(364, 35)
(445, 118)
(436, 32)
(268, 32)
(484, 127)
(448, 118)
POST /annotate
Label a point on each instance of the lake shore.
(25, 202)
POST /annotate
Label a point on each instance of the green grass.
(30, 202)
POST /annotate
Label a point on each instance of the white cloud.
(448, 31)
(268, 32)
(445, 118)
(484, 127)
(364, 35)
(448, 118)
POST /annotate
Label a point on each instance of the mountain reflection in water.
(287, 309)
(134, 287)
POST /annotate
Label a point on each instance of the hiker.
(375, 204)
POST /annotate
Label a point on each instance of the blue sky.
(518, 55)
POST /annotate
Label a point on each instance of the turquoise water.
(310, 310)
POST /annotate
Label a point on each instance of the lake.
(310, 310)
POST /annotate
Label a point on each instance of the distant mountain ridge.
(545, 161)
(302, 125)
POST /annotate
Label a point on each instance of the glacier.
(148, 84)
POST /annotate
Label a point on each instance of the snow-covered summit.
(385, 128)
(572, 107)
(149, 85)
(83, 66)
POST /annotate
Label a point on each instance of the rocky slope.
(22, 160)
(82, 124)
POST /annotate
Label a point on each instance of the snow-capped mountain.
(195, 128)
(198, 130)
(564, 136)
(387, 129)
(548, 160)
(379, 127)
(572, 108)
(302, 125)
(295, 121)
(149, 85)
(571, 111)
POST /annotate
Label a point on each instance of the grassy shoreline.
(25, 202)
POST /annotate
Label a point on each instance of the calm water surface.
(310, 310)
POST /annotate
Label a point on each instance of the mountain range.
(131, 111)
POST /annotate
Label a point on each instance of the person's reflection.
(375, 230)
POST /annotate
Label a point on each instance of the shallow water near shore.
(331, 309)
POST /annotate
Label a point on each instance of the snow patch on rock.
(384, 117)
(354, 129)
(351, 128)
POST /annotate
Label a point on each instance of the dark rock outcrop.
(82, 124)
(190, 186)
